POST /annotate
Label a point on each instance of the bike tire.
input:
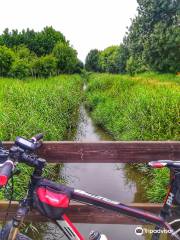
(20, 236)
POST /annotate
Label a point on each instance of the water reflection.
(112, 180)
(116, 181)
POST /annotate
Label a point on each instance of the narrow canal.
(119, 182)
(108, 180)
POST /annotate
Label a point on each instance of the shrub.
(6, 60)
(45, 66)
(20, 69)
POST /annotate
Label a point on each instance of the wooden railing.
(100, 152)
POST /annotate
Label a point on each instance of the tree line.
(36, 54)
(152, 42)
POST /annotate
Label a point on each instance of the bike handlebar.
(37, 137)
(6, 172)
(19, 153)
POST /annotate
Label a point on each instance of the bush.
(45, 66)
(20, 69)
(6, 60)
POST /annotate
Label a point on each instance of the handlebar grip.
(38, 136)
(5, 172)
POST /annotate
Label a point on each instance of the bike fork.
(69, 230)
(17, 221)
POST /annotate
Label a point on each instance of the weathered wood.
(108, 152)
(81, 213)
(100, 152)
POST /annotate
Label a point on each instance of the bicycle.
(52, 199)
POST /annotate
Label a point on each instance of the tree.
(162, 49)
(46, 40)
(66, 58)
(122, 57)
(92, 61)
(20, 69)
(45, 66)
(6, 59)
(79, 66)
(143, 32)
(41, 43)
(24, 53)
(109, 60)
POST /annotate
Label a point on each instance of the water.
(111, 178)
(115, 181)
(112, 181)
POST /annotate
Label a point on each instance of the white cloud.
(87, 24)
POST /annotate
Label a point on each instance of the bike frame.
(169, 201)
(70, 230)
(77, 195)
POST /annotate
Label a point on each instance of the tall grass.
(28, 107)
(143, 107)
(39, 105)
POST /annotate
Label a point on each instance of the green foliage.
(79, 66)
(66, 58)
(92, 61)
(121, 58)
(44, 66)
(46, 41)
(39, 105)
(20, 69)
(132, 66)
(41, 43)
(6, 60)
(151, 112)
(161, 50)
(154, 37)
(109, 59)
(151, 43)
(34, 51)
(112, 59)
(22, 52)
(159, 184)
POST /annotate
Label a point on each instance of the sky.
(87, 24)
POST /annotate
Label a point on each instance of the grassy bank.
(39, 105)
(48, 105)
(143, 107)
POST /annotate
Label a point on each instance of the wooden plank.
(108, 152)
(81, 213)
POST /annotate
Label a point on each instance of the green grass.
(28, 107)
(39, 105)
(143, 107)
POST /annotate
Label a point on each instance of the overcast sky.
(87, 24)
